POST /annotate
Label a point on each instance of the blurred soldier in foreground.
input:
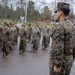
(46, 36)
(35, 38)
(23, 38)
(29, 32)
(5, 40)
(61, 54)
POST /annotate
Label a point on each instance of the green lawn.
(19, 22)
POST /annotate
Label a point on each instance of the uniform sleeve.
(56, 53)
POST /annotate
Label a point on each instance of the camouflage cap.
(62, 6)
(6, 24)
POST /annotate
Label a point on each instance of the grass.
(19, 22)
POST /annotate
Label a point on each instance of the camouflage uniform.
(16, 33)
(23, 38)
(61, 54)
(5, 40)
(35, 38)
(11, 38)
(46, 37)
(13, 35)
(29, 31)
(40, 29)
(63, 36)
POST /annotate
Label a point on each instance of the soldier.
(16, 33)
(29, 30)
(1, 38)
(23, 38)
(38, 25)
(5, 40)
(35, 38)
(11, 37)
(61, 54)
(13, 34)
(46, 36)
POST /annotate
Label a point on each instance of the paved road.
(29, 64)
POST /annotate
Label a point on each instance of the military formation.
(10, 32)
(8, 38)
(62, 52)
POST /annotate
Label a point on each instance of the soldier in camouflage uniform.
(23, 38)
(16, 30)
(5, 40)
(11, 29)
(61, 54)
(35, 38)
(10, 37)
(0, 37)
(38, 25)
(13, 34)
(46, 36)
(29, 31)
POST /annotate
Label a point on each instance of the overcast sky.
(39, 4)
(51, 3)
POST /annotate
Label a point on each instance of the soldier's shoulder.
(57, 30)
(67, 22)
(58, 27)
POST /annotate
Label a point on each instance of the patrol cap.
(10, 23)
(63, 6)
(6, 24)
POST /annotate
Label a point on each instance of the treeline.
(14, 9)
(14, 12)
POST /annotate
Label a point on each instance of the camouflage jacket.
(62, 44)
(23, 34)
(35, 33)
(46, 31)
(6, 34)
(12, 33)
(29, 30)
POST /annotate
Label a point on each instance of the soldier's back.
(68, 43)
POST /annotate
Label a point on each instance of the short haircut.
(66, 11)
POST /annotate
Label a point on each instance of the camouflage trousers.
(5, 48)
(22, 45)
(45, 41)
(35, 43)
(15, 40)
(11, 45)
(29, 37)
